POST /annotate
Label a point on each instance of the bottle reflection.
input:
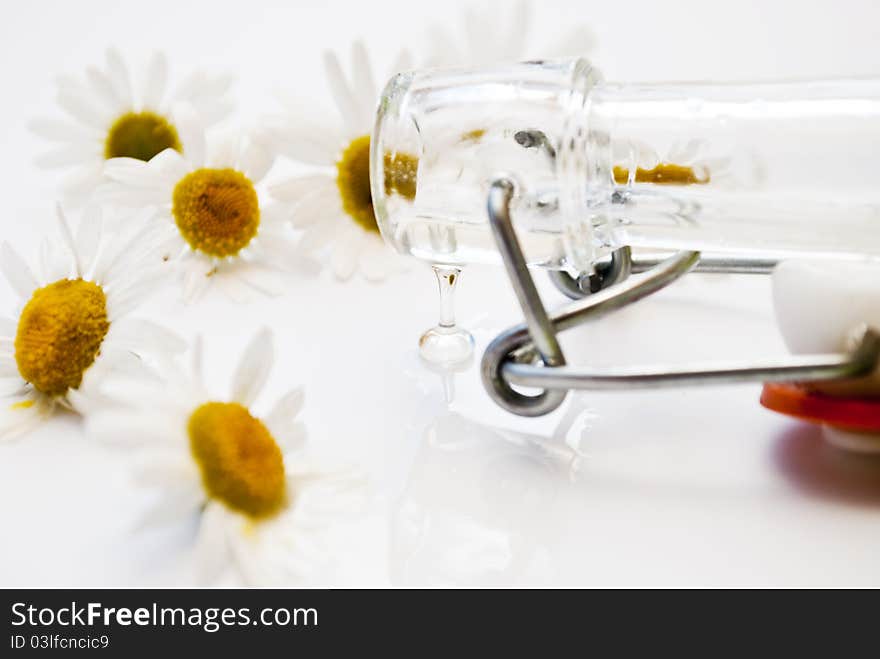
(479, 506)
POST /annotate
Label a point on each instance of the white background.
(690, 487)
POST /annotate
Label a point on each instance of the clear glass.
(446, 344)
(764, 168)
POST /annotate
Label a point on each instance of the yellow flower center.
(216, 211)
(353, 180)
(665, 173)
(240, 462)
(60, 333)
(140, 135)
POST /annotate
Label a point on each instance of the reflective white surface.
(684, 487)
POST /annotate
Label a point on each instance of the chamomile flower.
(687, 162)
(214, 212)
(333, 205)
(266, 512)
(109, 117)
(72, 327)
(500, 32)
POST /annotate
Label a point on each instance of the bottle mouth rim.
(411, 98)
(393, 94)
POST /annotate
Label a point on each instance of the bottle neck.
(769, 168)
(765, 168)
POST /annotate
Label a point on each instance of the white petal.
(17, 421)
(322, 203)
(254, 368)
(256, 160)
(196, 359)
(274, 217)
(195, 281)
(127, 196)
(119, 257)
(375, 264)
(345, 255)
(214, 110)
(192, 133)
(233, 286)
(291, 436)
(88, 236)
(319, 235)
(715, 166)
(67, 237)
(123, 300)
(144, 336)
(138, 257)
(114, 364)
(306, 140)
(61, 131)
(277, 251)
(263, 279)
(17, 273)
(105, 90)
(82, 110)
(223, 152)
(685, 152)
(205, 93)
(81, 182)
(54, 262)
(119, 76)
(363, 82)
(296, 189)
(130, 171)
(287, 407)
(154, 81)
(212, 549)
(170, 166)
(200, 85)
(72, 154)
(342, 94)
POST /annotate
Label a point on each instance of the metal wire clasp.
(529, 355)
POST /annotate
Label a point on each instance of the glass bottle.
(767, 168)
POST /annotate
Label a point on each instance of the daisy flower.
(685, 163)
(214, 215)
(266, 513)
(108, 117)
(333, 205)
(497, 32)
(72, 327)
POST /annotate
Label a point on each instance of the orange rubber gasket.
(859, 414)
